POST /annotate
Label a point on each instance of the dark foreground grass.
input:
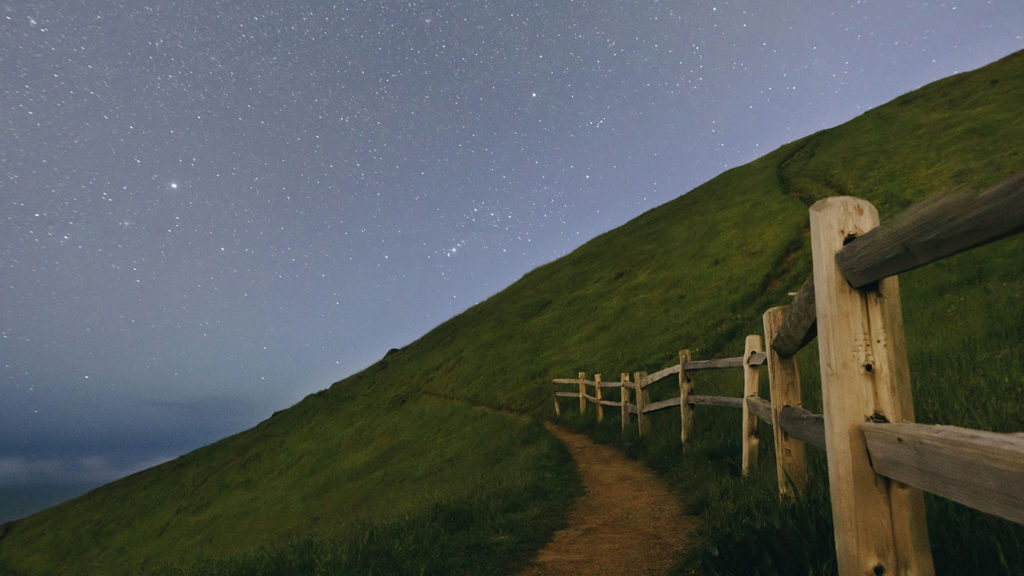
(483, 536)
(392, 471)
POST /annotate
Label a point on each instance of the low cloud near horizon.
(90, 469)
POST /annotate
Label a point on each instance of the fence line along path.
(879, 461)
(627, 523)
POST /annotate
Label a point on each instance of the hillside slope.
(396, 462)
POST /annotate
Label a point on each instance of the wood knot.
(878, 418)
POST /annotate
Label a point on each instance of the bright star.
(174, 185)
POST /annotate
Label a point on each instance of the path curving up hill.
(626, 523)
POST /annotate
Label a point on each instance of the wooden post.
(685, 389)
(583, 392)
(597, 395)
(784, 388)
(558, 411)
(751, 381)
(624, 397)
(643, 396)
(879, 525)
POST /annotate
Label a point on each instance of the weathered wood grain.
(643, 398)
(583, 392)
(751, 384)
(757, 359)
(983, 470)
(760, 408)
(724, 401)
(940, 226)
(693, 365)
(661, 405)
(803, 425)
(686, 412)
(799, 326)
(784, 386)
(624, 396)
(662, 374)
(879, 526)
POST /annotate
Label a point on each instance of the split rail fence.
(879, 460)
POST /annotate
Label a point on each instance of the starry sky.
(209, 209)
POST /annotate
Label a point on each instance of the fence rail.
(852, 306)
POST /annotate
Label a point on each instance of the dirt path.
(626, 523)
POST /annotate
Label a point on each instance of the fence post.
(643, 395)
(624, 397)
(558, 411)
(751, 381)
(879, 525)
(784, 388)
(583, 392)
(597, 395)
(685, 389)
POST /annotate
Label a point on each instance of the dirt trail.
(626, 523)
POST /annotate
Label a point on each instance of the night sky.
(210, 209)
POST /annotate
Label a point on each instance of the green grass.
(394, 471)
(362, 479)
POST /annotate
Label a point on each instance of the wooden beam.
(757, 359)
(583, 392)
(662, 374)
(566, 380)
(940, 226)
(610, 403)
(661, 405)
(784, 387)
(879, 526)
(723, 401)
(983, 470)
(643, 398)
(803, 425)
(751, 385)
(567, 394)
(624, 396)
(760, 408)
(692, 365)
(686, 415)
(800, 324)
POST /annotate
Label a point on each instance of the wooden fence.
(879, 460)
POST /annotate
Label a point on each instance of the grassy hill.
(432, 460)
